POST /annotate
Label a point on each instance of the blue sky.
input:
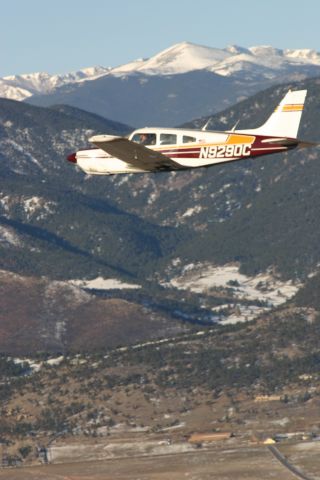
(59, 36)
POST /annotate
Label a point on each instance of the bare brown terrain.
(54, 316)
(243, 463)
(129, 412)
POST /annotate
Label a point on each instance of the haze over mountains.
(167, 233)
(173, 86)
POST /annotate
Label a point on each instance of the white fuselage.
(189, 148)
(173, 149)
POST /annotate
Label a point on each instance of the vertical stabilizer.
(285, 120)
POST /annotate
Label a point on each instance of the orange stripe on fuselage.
(234, 139)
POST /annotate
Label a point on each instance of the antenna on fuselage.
(235, 126)
(205, 126)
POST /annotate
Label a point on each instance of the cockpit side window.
(144, 138)
(168, 139)
(187, 139)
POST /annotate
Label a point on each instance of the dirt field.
(244, 463)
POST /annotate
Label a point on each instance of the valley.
(253, 381)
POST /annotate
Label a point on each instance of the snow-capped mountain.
(186, 57)
(20, 87)
(267, 57)
(180, 58)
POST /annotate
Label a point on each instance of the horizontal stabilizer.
(302, 144)
(290, 142)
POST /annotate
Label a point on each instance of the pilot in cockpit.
(147, 139)
(143, 139)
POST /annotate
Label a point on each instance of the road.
(282, 459)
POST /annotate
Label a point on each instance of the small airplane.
(173, 149)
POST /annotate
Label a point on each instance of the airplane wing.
(135, 154)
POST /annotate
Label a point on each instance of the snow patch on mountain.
(5, 202)
(265, 287)
(39, 206)
(263, 291)
(8, 236)
(100, 283)
(192, 211)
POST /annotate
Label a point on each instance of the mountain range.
(175, 85)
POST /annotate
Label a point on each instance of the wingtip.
(102, 138)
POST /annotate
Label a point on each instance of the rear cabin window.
(144, 138)
(187, 139)
(168, 139)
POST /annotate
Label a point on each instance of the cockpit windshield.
(144, 138)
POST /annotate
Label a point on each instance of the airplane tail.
(285, 120)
